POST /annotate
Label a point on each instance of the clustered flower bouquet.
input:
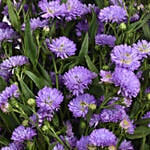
(74, 75)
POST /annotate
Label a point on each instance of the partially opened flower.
(79, 106)
(62, 47)
(77, 79)
(106, 76)
(20, 134)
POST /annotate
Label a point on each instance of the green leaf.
(4, 141)
(84, 47)
(146, 30)
(30, 47)
(3, 84)
(100, 3)
(90, 64)
(13, 16)
(26, 91)
(93, 27)
(140, 132)
(38, 80)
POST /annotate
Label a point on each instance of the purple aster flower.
(58, 146)
(106, 76)
(112, 14)
(94, 120)
(35, 23)
(62, 47)
(134, 18)
(139, 74)
(128, 82)
(142, 48)
(13, 146)
(103, 39)
(126, 57)
(82, 144)
(77, 79)
(102, 137)
(147, 115)
(126, 145)
(115, 2)
(147, 90)
(127, 101)
(8, 93)
(112, 115)
(11, 63)
(127, 125)
(49, 99)
(52, 9)
(79, 106)
(82, 26)
(20, 134)
(74, 9)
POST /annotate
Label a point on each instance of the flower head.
(112, 14)
(79, 106)
(103, 39)
(77, 79)
(21, 134)
(62, 47)
(52, 9)
(142, 48)
(82, 144)
(13, 146)
(126, 145)
(49, 99)
(106, 76)
(128, 82)
(126, 57)
(102, 137)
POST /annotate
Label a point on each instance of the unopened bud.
(45, 128)
(25, 123)
(31, 102)
(83, 125)
(92, 106)
(148, 96)
(122, 26)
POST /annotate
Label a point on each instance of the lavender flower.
(8, 93)
(128, 82)
(74, 9)
(77, 79)
(58, 146)
(62, 47)
(13, 146)
(82, 144)
(20, 134)
(49, 99)
(127, 101)
(14, 61)
(102, 137)
(127, 125)
(126, 145)
(135, 17)
(126, 57)
(142, 48)
(106, 76)
(52, 9)
(103, 39)
(112, 14)
(79, 106)
(35, 23)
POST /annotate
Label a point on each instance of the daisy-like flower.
(126, 145)
(77, 79)
(106, 76)
(79, 106)
(9, 93)
(49, 99)
(13, 146)
(128, 82)
(62, 47)
(74, 9)
(52, 9)
(11, 63)
(102, 137)
(112, 14)
(20, 134)
(142, 48)
(126, 57)
(103, 39)
(127, 125)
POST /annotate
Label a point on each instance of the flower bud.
(148, 96)
(31, 102)
(25, 123)
(122, 26)
(82, 125)
(92, 106)
(45, 128)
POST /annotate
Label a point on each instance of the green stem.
(56, 72)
